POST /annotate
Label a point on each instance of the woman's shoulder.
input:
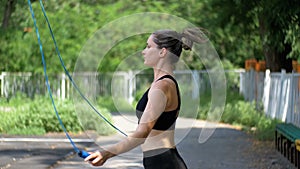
(164, 84)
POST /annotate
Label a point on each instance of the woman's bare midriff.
(159, 139)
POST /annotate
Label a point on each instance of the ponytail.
(191, 35)
(174, 42)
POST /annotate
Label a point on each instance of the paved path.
(32, 154)
(225, 149)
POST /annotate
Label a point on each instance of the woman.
(158, 109)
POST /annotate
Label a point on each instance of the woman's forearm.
(132, 141)
(123, 146)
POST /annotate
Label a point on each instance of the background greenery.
(24, 116)
(239, 30)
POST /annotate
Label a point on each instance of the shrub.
(115, 105)
(265, 128)
(38, 117)
(242, 113)
(90, 120)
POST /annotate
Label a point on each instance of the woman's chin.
(146, 64)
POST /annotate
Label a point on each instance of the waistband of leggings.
(158, 151)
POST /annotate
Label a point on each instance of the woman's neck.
(167, 70)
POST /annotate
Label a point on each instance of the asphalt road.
(224, 149)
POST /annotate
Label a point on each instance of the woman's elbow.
(142, 133)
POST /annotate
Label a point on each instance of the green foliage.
(258, 29)
(73, 22)
(238, 30)
(114, 104)
(265, 128)
(233, 41)
(90, 120)
(25, 116)
(243, 114)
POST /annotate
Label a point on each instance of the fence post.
(286, 95)
(242, 83)
(282, 76)
(2, 84)
(63, 86)
(296, 105)
(196, 78)
(247, 86)
(291, 99)
(131, 86)
(266, 94)
(251, 86)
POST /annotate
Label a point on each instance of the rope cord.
(69, 76)
(47, 80)
(66, 72)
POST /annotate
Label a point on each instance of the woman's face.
(151, 53)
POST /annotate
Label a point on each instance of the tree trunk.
(9, 8)
(275, 60)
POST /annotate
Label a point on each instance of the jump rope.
(81, 153)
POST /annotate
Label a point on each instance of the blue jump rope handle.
(84, 154)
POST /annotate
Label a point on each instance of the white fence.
(278, 92)
(26, 83)
(125, 84)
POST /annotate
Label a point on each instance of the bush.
(27, 131)
(241, 112)
(117, 105)
(90, 120)
(265, 128)
(203, 110)
(244, 114)
(36, 117)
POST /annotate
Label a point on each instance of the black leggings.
(163, 159)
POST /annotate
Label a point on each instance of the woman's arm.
(157, 101)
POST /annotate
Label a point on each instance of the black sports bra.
(166, 121)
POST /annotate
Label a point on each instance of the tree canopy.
(239, 29)
(265, 29)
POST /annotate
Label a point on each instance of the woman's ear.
(163, 52)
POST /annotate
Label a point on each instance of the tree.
(276, 22)
(238, 29)
(9, 8)
(19, 49)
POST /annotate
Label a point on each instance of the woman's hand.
(98, 158)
